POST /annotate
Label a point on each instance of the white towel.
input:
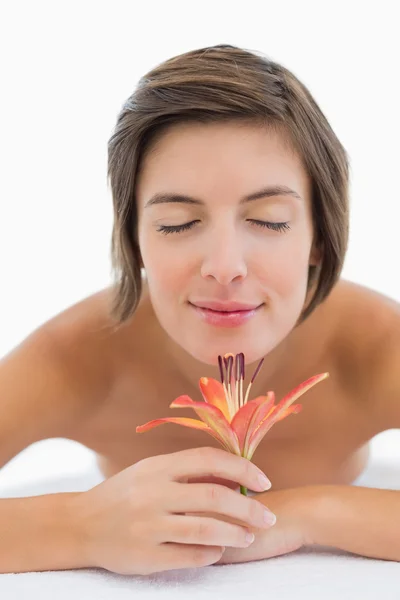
(310, 573)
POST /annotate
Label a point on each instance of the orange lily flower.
(238, 424)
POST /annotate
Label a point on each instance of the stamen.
(226, 360)
(247, 393)
(256, 371)
(221, 370)
(241, 378)
(228, 400)
(237, 367)
(229, 370)
(232, 383)
(237, 379)
(252, 379)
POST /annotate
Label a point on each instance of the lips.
(226, 306)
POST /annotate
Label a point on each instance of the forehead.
(221, 157)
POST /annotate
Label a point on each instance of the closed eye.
(166, 229)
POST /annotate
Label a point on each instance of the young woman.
(230, 194)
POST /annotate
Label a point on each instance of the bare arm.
(366, 520)
(41, 393)
(47, 385)
(361, 520)
(39, 533)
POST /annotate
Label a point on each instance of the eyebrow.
(267, 192)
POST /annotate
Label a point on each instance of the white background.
(66, 70)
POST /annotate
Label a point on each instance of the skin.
(326, 443)
(101, 382)
(225, 256)
(94, 384)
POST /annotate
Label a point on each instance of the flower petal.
(300, 390)
(242, 419)
(281, 411)
(213, 393)
(213, 417)
(179, 420)
(265, 406)
(266, 425)
(295, 408)
(187, 422)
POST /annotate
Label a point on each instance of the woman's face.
(225, 256)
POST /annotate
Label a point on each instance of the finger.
(206, 461)
(205, 530)
(211, 479)
(183, 556)
(219, 499)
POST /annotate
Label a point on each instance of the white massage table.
(310, 573)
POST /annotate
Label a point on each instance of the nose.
(224, 257)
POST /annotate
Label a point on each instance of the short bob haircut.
(224, 83)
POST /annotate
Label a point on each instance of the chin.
(208, 353)
(254, 345)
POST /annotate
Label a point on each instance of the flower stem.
(243, 490)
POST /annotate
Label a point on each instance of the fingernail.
(250, 537)
(269, 517)
(264, 482)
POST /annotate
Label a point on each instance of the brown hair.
(226, 83)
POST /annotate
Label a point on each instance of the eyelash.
(166, 229)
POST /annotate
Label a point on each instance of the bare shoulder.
(84, 335)
(55, 377)
(97, 350)
(368, 332)
(364, 316)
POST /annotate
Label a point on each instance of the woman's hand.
(141, 520)
(293, 508)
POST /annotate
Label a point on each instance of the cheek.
(166, 277)
(167, 283)
(162, 270)
(284, 271)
